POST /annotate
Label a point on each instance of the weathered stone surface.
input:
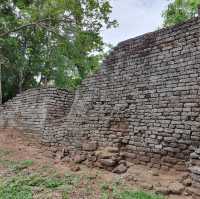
(144, 101)
(108, 162)
(162, 190)
(120, 169)
(176, 188)
(79, 158)
(92, 146)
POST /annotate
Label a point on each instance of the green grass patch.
(129, 195)
(21, 186)
(19, 166)
(116, 190)
(4, 152)
(16, 166)
(138, 195)
(15, 191)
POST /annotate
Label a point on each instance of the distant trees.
(50, 41)
(179, 11)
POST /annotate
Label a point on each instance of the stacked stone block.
(35, 108)
(144, 101)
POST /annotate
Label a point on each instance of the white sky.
(135, 17)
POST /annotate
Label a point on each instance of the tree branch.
(30, 25)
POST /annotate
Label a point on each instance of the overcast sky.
(135, 17)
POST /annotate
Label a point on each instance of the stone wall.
(144, 103)
(145, 100)
(35, 108)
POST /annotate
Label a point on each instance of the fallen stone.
(162, 190)
(108, 162)
(187, 182)
(120, 169)
(112, 149)
(75, 168)
(123, 162)
(79, 158)
(194, 192)
(195, 170)
(146, 186)
(155, 173)
(176, 188)
(194, 156)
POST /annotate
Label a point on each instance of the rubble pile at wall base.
(195, 173)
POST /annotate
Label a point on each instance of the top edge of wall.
(159, 32)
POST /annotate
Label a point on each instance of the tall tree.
(50, 41)
(179, 11)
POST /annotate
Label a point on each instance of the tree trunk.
(0, 87)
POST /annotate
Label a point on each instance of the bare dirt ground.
(21, 157)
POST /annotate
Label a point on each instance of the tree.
(179, 11)
(50, 41)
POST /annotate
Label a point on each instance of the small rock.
(79, 158)
(130, 178)
(92, 146)
(108, 162)
(75, 168)
(176, 188)
(187, 182)
(120, 169)
(198, 151)
(194, 156)
(112, 149)
(155, 173)
(123, 162)
(162, 190)
(146, 186)
(53, 149)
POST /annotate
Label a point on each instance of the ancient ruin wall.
(145, 100)
(35, 108)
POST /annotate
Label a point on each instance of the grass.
(21, 186)
(138, 195)
(16, 166)
(4, 152)
(117, 191)
(21, 183)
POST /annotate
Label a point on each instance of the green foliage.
(130, 195)
(4, 152)
(179, 11)
(138, 195)
(21, 186)
(16, 166)
(21, 165)
(50, 42)
(116, 191)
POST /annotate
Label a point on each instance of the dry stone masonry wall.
(145, 100)
(35, 108)
(143, 106)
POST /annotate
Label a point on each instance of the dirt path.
(14, 147)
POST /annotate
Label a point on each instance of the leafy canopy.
(179, 11)
(55, 42)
